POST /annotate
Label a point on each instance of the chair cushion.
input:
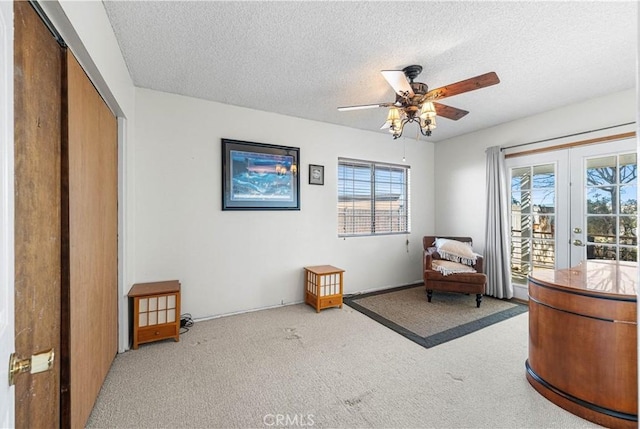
(450, 267)
(436, 276)
(455, 251)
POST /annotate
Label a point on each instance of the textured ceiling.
(305, 59)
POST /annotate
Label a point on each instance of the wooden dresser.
(583, 353)
(156, 311)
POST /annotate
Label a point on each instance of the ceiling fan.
(415, 103)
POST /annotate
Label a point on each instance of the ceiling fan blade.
(364, 106)
(463, 86)
(449, 112)
(398, 82)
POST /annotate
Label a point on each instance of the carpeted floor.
(448, 316)
(293, 367)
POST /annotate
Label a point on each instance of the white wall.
(232, 261)
(460, 193)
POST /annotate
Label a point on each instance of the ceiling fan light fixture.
(394, 122)
(429, 123)
(394, 115)
(428, 110)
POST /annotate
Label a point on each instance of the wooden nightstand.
(323, 286)
(156, 311)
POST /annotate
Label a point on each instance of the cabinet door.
(157, 310)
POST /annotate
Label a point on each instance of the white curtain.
(497, 255)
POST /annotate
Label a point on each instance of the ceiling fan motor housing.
(411, 72)
(419, 88)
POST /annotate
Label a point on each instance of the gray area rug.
(448, 316)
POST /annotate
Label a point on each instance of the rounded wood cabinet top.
(607, 279)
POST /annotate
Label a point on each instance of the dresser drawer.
(157, 332)
(332, 301)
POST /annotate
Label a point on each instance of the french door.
(604, 213)
(571, 205)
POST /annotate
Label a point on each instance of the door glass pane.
(599, 201)
(595, 251)
(543, 200)
(629, 200)
(544, 226)
(628, 168)
(629, 230)
(521, 178)
(628, 254)
(533, 200)
(601, 171)
(522, 200)
(525, 228)
(601, 229)
(544, 176)
(543, 254)
(520, 257)
(612, 207)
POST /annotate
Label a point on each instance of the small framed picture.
(316, 174)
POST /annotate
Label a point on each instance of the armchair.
(456, 282)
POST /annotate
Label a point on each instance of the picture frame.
(259, 176)
(316, 174)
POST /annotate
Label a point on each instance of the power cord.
(185, 323)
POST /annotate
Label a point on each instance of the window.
(373, 198)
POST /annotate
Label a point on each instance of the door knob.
(577, 242)
(577, 230)
(35, 364)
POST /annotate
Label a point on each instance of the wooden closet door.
(38, 62)
(90, 161)
(65, 228)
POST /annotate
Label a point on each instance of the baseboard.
(377, 289)
(521, 292)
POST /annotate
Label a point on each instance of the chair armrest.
(427, 259)
(479, 265)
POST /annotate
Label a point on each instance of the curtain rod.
(568, 135)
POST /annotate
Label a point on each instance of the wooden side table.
(156, 311)
(323, 286)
